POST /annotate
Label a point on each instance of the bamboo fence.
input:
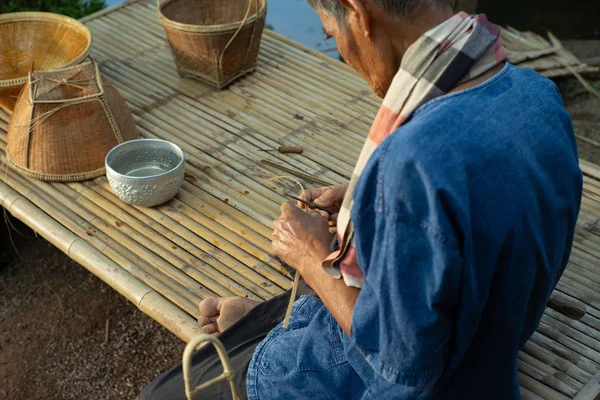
(214, 237)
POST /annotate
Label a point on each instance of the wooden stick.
(106, 331)
(295, 173)
(288, 313)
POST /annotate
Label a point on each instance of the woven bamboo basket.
(64, 124)
(43, 41)
(215, 41)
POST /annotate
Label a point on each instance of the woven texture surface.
(65, 123)
(212, 40)
(214, 237)
(40, 40)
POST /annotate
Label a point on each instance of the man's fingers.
(288, 208)
(333, 219)
(321, 213)
(326, 198)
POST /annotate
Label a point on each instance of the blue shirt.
(464, 220)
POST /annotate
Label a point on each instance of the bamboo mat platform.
(214, 238)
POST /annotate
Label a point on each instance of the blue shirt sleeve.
(403, 318)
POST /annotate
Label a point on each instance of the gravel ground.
(53, 317)
(53, 312)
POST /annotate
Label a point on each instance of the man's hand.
(300, 238)
(330, 197)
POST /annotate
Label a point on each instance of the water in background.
(293, 19)
(567, 19)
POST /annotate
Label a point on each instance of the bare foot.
(219, 313)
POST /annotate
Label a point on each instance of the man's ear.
(356, 11)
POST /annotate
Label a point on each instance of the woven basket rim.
(80, 176)
(47, 17)
(166, 22)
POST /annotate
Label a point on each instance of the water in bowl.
(145, 171)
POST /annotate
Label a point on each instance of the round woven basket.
(64, 124)
(38, 41)
(215, 41)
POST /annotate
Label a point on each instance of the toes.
(210, 306)
(203, 320)
(210, 329)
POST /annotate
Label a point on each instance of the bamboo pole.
(183, 238)
(555, 361)
(114, 250)
(159, 259)
(196, 268)
(82, 252)
(528, 395)
(562, 351)
(264, 128)
(166, 65)
(591, 391)
(572, 344)
(548, 375)
(539, 388)
(568, 330)
(161, 123)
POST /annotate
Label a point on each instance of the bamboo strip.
(568, 330)
(295, 173)
(330, 86)
(592, 207)
(527, 395)
(345, 77)
(583, 267)
(102, 243)
(591, 184)
(277, 78)
(536, 387)
(591, 314)
(314, 72)
(98, 30)
(568, 342)
(594, 197)
(158, 244)
(183, 237)
(588, 258)
(242, 150)
(167, 66)
(83, 253)
(586, 243)
(587, 325)
(591, 391)
(580, 292)
(555, 361)
(590, 169)
(157, 257)
(92, 227)
(564, 352)
(581, 276)
(581, 279)
(108, 10)
(264, 128)
(547, 375)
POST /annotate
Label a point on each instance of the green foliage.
(73, 8)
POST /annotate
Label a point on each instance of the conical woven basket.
(42, 41)
(64, 124)
(216, 41)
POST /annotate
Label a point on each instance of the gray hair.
(398, 8)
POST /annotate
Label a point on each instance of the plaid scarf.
(456, 51)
